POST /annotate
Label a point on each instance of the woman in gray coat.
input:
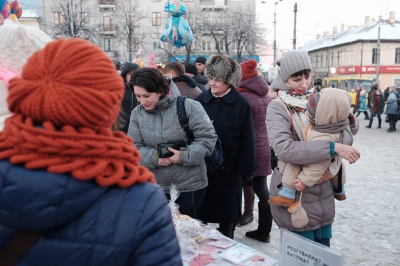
(292, 84)
(155, 121)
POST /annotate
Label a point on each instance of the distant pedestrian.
(363, 102)
(202, 82)
(392, 108)
(187, 86)
(201, 64)
(128, 100)
(377, 105)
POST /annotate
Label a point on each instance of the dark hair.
(177, 67)
(304, 72)
(150, 79)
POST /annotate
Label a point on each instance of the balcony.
(108, 30)
(213, 4)
(107, 5)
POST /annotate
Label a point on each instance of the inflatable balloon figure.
(177, 30)
(10, 10)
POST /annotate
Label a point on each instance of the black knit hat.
(201, 60)
(191, 69)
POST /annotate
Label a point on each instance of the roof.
(369, 32)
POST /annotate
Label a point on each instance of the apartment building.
(359, 52)
(130, 30)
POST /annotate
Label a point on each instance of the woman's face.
(147, 99)
(218, 86)
(299, 83)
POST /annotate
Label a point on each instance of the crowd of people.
(89, 156)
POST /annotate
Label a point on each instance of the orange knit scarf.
(109, 158)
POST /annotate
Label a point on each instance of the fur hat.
(191, 69)
(201, 60)
(225, 68)
(83, 76)
(249, 69)
(290, 63)
(18, 43)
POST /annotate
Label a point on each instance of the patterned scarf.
(296, 100)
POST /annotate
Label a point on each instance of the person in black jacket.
(128, 100)
(232, 120)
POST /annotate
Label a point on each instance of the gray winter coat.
(318, 200)
(161, 125)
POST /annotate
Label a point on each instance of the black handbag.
(163, 151)
(215, 161)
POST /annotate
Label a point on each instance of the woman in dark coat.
(231, 116)
(377, 104)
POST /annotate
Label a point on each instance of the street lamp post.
(275, 31)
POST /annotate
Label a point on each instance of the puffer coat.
(84, 224)
(255, 91)
(318, 200)
(161, 125)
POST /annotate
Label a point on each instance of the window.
(58, 18)
(397, 56)
(331, 62)
(338, 58)
(205, 45)
(107, 22)
(106, 2)
(108, 45)
(374, 55)
(156, 18)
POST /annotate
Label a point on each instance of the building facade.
(130, 30)
(359, 52)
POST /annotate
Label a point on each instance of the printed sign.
(297, 250)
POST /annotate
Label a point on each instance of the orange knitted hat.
(64, 104)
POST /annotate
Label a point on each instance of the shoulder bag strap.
(17, 246)
(183, 120)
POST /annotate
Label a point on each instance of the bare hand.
(174, 158)
(347, 152)
(298, 185)
(163, 162)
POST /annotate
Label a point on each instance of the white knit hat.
(290, 63)
(18, 43)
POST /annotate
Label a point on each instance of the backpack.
(215, 160)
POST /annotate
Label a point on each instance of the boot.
(366, 115)
(281, 201)
(264, 224)
(391, 128)
(379, 122)
(247, 216)
(370, 122)
(227, 229)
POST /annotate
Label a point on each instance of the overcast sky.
(316, 16)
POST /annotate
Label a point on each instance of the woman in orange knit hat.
(67, 177)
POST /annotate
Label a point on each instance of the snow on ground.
(366, 227)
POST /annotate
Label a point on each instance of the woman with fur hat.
(67, 178)
(232, 120)
(293, 83)
(17, 43)
(155, 122)
(255, 90)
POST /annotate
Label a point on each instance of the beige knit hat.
(290, 63)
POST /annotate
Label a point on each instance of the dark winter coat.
(255, 91)
(187, 86)
(128, 102)
(231, 116)
(85, 224)
(377, 103)
(202, 82)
